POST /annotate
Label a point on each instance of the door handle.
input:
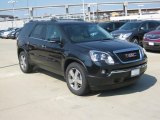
(43, 46)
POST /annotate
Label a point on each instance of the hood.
(154, 32)
(7, 32)
(107, 45)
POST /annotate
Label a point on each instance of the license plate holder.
(135, 72)
(151, 43)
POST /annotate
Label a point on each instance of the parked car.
(6, 33)
(111, 26)
(1, 31)
(14, 34)
(134, 31)
(85, 54)
(152, 40)
(11, 35)
(17, 33)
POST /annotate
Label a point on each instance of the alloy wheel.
(75, 78)
(23, 63)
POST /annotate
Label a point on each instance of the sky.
(23, 3)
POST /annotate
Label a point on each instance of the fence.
(91, 11)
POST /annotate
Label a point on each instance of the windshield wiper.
(106, 39)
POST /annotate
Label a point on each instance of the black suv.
(134, 31)
(111, 26)
(84, 53)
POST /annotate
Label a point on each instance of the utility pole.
(84, 17)
(13, 5)
(125, 5)
(140, 9)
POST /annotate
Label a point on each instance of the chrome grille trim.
(128, 50)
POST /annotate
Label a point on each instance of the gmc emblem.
(130, 55)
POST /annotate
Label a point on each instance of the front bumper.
(11, 37)
(155, 46)
(116, 79)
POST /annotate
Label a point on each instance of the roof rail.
(33, 20)
(54, 19)
(74, 19)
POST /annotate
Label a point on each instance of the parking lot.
(45, 96)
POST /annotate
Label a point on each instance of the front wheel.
(76, 79)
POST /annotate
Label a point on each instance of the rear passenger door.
(37, 44)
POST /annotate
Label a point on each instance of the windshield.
(130, 26)
(103, 25)
(85, 32)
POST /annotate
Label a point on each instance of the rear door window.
(110, 26)
(117, 25)
(144, 26)
(26, 30)
(152, 25)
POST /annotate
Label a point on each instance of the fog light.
(103, 72)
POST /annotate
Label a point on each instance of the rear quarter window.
(25, 32)
(38, 31)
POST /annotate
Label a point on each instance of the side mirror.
(108, 28)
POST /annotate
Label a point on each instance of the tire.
(24, 63)
(135, 40)
(79, 86)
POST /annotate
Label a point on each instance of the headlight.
(101, 56)
(143, 51)
(124, 36)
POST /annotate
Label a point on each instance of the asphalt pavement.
(44, 96)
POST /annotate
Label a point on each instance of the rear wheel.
(76, 79)
(24, 63)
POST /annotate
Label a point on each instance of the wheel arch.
(20, 50)
(71, 60)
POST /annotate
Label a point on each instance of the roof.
(140, 21)
(112, 22)
(59, 21)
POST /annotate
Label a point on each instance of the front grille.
(129, 56)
